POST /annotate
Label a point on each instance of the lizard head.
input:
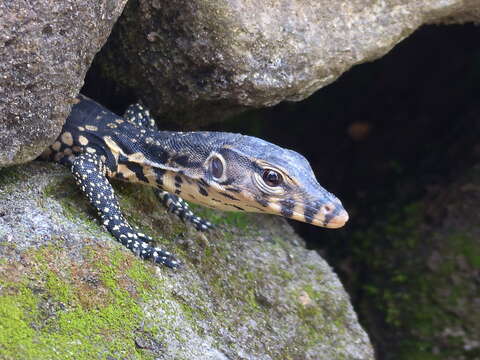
(244, 173)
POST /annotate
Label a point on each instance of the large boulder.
(46, 48)
(200, 60)
(195, 60)
(248, 290)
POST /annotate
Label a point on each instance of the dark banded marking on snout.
(337, 217)
(330, 216)
(287, 208)
(334, 211)
(309, 214)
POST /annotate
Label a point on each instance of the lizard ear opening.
(216, 166)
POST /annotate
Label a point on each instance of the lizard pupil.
(272, 178)
(217, 168)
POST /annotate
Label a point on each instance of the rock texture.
(197, 61)
(422, 298)
(202, 60)
(46, 48)
(249, 290)
(468, 11)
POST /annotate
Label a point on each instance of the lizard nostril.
(327, 209)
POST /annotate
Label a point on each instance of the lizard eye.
(272, 178)
(216, 167)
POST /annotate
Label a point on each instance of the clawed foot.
(179, 207)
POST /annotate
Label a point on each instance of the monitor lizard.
(220, 170)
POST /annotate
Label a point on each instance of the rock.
(46, 48)
(468, 11)
(422, 297)
(248, 290)
(199, 61)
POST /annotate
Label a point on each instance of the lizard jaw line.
(334, 222)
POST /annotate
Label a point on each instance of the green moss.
(58, 289)
(283, 274)
(316, 321)
(63, 313)
(410, 293)
(239, 220)
(466, 245)
(9, 175)
(17, 309)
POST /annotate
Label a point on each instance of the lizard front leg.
(89, 172)
(179, 207)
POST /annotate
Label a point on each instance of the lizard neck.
(164, 159)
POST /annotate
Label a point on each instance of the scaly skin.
(220, 170)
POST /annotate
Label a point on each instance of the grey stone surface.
(201, 60)
(46, 47)
(197, 61)
(467, 11)
(248, 290)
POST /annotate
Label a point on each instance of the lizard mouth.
(328, 216)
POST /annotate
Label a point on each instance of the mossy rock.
(247, 290)
(421, 298)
